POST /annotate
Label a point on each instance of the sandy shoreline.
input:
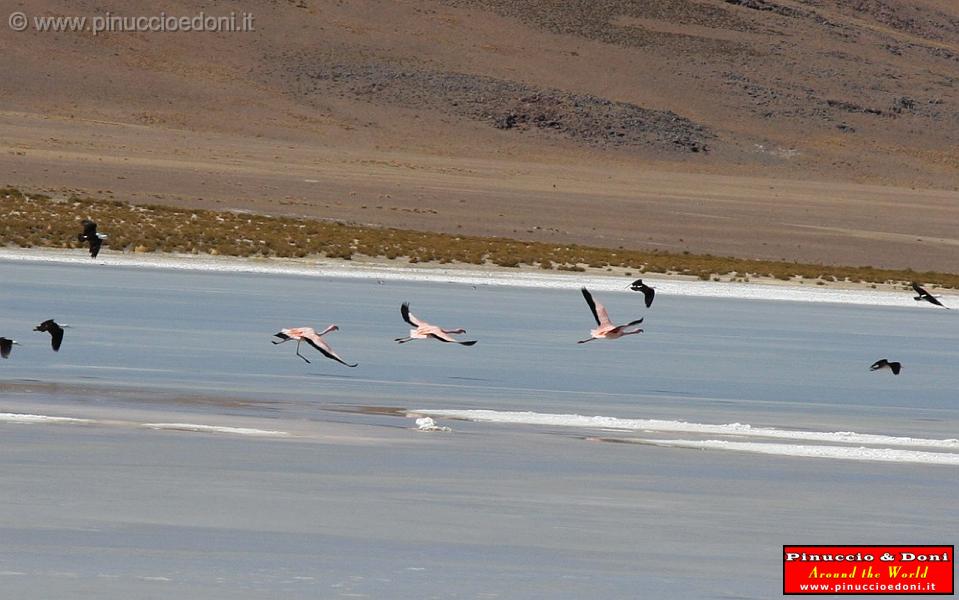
(371, 269)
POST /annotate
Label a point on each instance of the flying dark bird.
(90, 235)
(311, 337)
(55, 331)
(924, 295)
(6, 346)
(605, 330)
(424, 330)
(648, 292)
(882, 363)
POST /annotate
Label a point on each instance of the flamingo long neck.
(328, 329)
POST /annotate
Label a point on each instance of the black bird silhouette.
(55, 331)
(6, 346)
(882, 363)
(924, 295)
(648, 292)
(90, 235)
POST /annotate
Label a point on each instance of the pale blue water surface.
(357, 503)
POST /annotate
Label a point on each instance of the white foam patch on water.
(828, 445)
(214, 429)
(476, 276)
(35, 419)
(817, 451)
(655, 425)
(428, 424)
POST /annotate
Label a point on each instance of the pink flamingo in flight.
(424, 330)
(606, 330)
(311, 337)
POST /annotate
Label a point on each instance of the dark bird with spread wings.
(6, 346)
(648, 292)
(882, 363)
(90, 235)
(924, 295)
(55, 330)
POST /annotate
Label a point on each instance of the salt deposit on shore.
(759, 288)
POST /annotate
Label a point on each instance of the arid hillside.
(814, 130)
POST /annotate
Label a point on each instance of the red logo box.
(865, 570)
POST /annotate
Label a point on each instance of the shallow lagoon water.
(355, 502)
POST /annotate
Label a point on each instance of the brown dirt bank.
(36, 220)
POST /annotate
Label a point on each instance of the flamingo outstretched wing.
(408, 316)
(324, 348)
(599, 311)
(443, 337)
